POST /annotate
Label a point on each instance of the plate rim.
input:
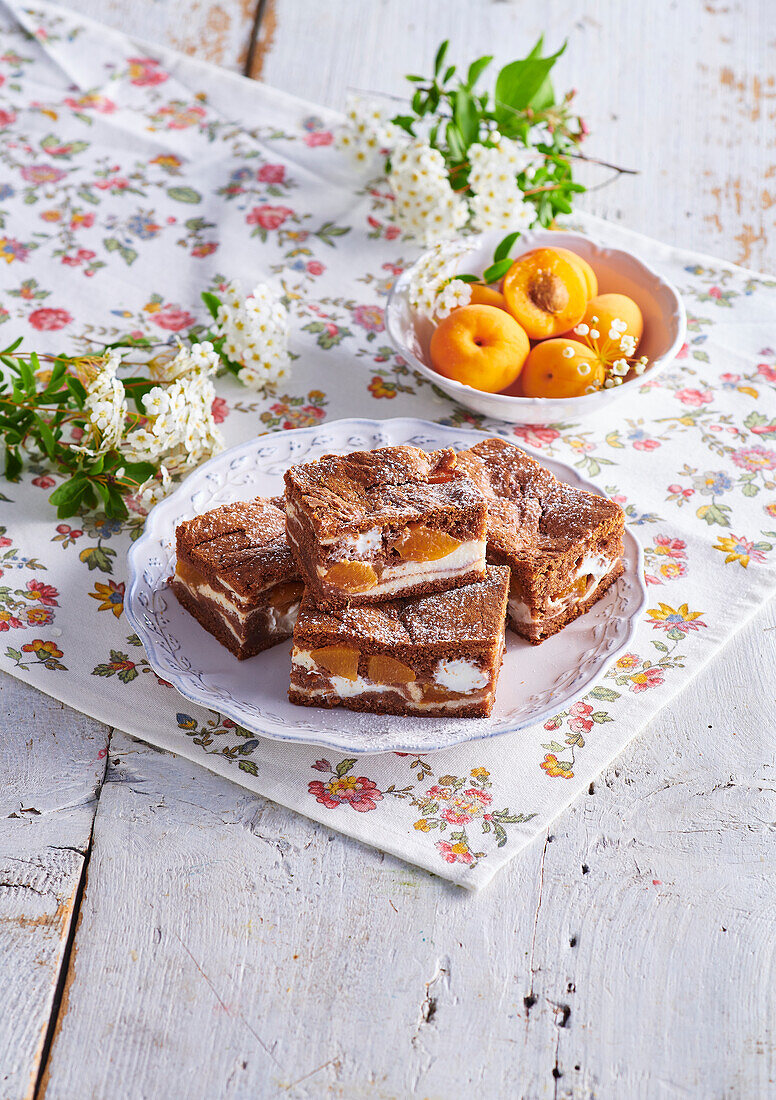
(135, 577)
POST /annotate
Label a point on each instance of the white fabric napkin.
(133, 178)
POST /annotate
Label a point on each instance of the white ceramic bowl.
(665, 325)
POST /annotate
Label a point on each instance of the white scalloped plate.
(536, 681)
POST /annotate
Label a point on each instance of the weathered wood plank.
(230, 948)
(50, 770)
(215, 30)
(688, 97)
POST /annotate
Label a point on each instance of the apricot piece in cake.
(546, 292)
(352, 576)
(419, 543)
(339, 660)
(480, 346)
(387, 670)
(561, 368)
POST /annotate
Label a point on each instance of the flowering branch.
(73, 412)
(462, 157)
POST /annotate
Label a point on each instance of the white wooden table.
(166, 934)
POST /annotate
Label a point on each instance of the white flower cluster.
(255, 331)
(498, 202)
(623, 342)
(105, 405)
(368, 131)
(180, 426)
(432, 277)
(425, 205)
(457, 293)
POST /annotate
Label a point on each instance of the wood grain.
(230, 948)
(215, 30)
(687, 97)
(50, 770)
(242, 951)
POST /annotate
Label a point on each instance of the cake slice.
(374, 525)
(237, 577)
(435, 655)
(563, 545)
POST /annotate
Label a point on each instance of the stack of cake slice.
(412, 565)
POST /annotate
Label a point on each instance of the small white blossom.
(568, 353)
(255, 332)
(456, 294)
(627, 345)
(105, 406)
(368, 132)
(620, 366)
(498, 202)
(582, 329)
(594, 333)
(432, 274)
(425, 206)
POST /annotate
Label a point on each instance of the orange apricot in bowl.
(561, 368)
(606, 314)
(481, 346)
(546, 292)
(591, 280)
(483, 295)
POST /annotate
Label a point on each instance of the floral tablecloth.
(131, 179)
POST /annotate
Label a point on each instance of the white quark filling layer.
(469, 555)
(594, 566)
(275, 624)
(462, 677)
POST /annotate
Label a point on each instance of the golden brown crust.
(241, 546)
(392, 485)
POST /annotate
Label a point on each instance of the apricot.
(286, 595)
(604, 310)
(483, 295)
(591, 281)
(546, 292)
(418, 543)
(339, 660)
(480, 346)
(387, 670)
(561, 368)
(352, 576)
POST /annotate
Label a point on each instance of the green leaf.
(13, 463)
(211, 302)
(466, 116)
(496, 271)
(77, 389)
(503, 248)
(440, 56)
(455, 141)
(476, 69)
(69, 490)
(248, 766)
(660, 645)
(344, 766)
(184, 194)
(519, 82)
(750, 489)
